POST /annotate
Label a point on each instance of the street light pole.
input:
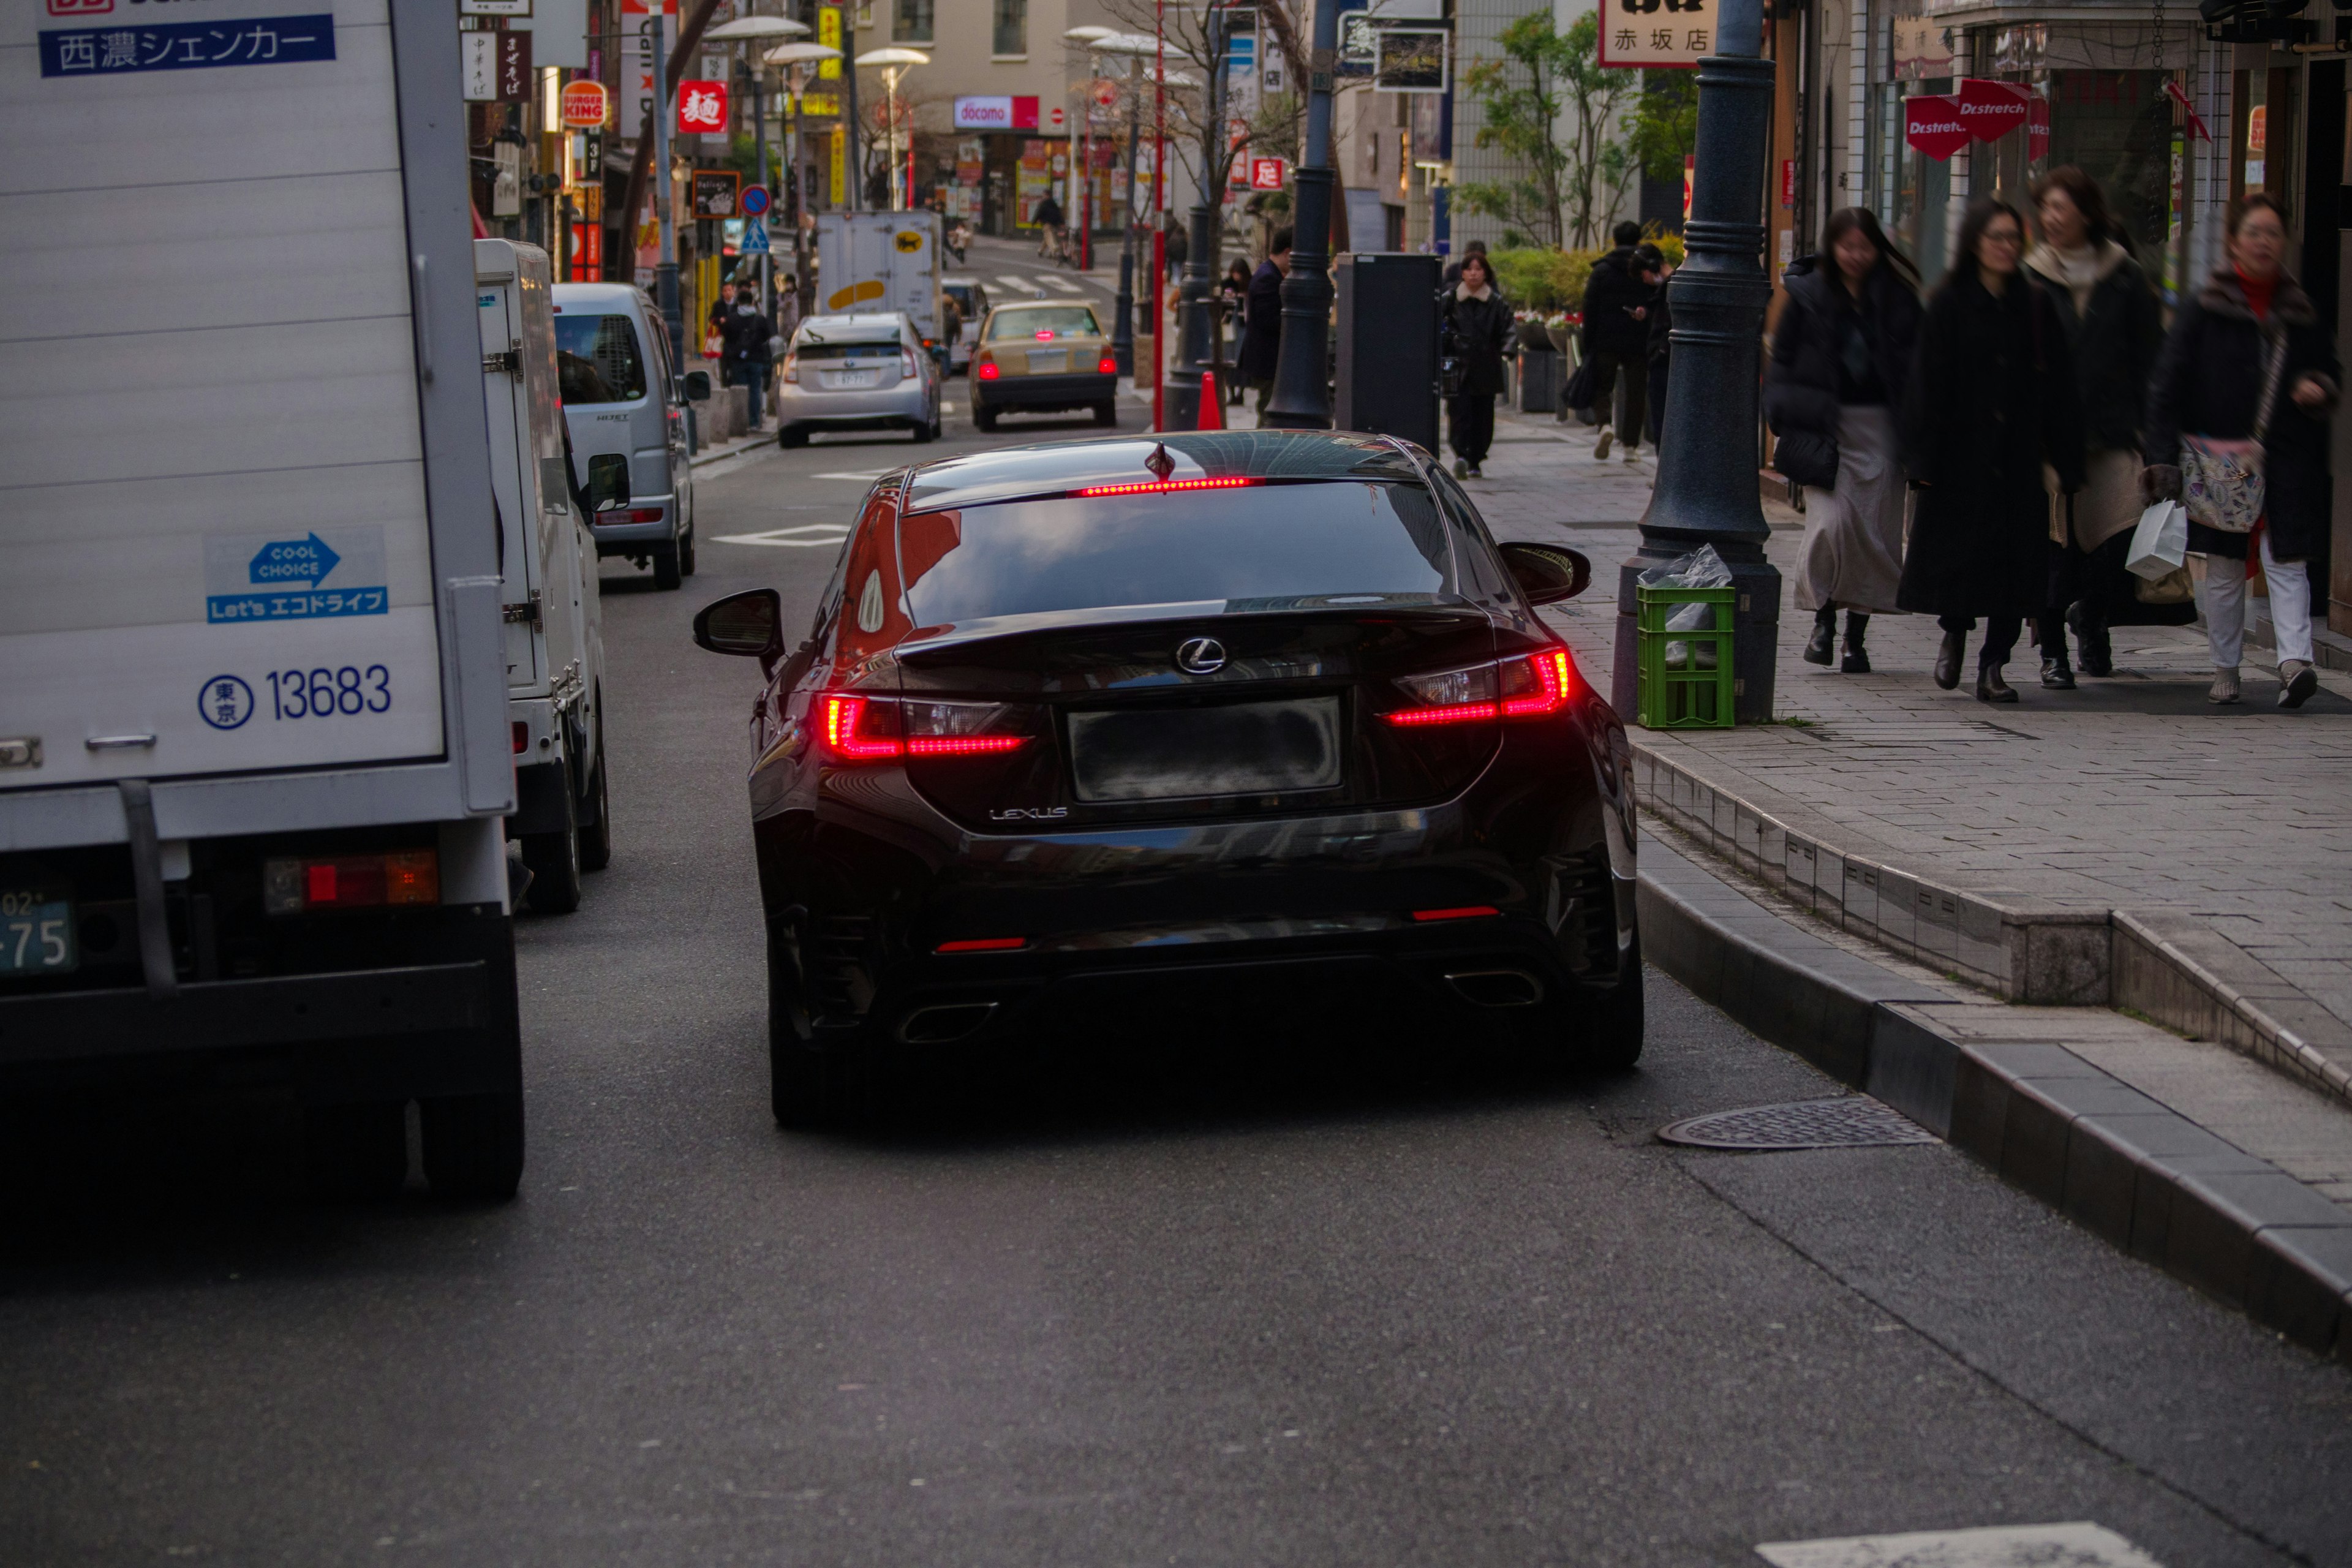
(1707, 492)
(666, 268)
(1302, 388)
(1183, 404)
(1122, 339)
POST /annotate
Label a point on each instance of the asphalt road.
(1294, 1302)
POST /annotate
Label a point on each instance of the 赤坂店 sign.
(1656, 33)
(1940, 124)
(985, 113)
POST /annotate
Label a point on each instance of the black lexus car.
(1185, 727)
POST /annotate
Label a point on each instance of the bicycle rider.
(1053, 238)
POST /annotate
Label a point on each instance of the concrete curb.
(2170, 968)
(2146, 1179)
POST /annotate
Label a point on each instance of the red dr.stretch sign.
(1939, 125)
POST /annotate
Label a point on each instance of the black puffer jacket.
(1612, 294)
(1478, 332)
(2115, 341)
(2209, 382)
(1801, 391)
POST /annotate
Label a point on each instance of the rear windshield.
(596, 360)
(1271, 543)
(1046, 322)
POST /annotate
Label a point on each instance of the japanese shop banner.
(1657, 33)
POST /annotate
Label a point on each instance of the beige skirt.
(2107, 503)
(1852, 555)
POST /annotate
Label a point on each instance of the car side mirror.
(1546, 574)
(748, 625)
(608, 482)
(698, 387)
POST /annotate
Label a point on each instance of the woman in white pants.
(2248, 358)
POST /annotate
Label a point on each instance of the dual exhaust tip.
(1497, 988)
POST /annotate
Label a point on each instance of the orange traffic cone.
(1212, 407)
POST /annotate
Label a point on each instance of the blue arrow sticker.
(259, 577)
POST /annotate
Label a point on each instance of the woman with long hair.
(2115, 330)
(1840, 366)
(1477, 321)
(2249, 359)
(1993, 399)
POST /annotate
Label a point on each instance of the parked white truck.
(255, 745)
(874, 263)
(555, 619)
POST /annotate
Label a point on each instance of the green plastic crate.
(1696, 694)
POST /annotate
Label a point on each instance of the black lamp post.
(1302, 387)
(1122, 332)
(1181, 404)
(1707, 492)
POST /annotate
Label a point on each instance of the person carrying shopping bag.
(2114, 330)
(1476, 325)
(1840, 365)
(1993, 398)
(2237, 431)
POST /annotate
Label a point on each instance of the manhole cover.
(1849, 1121)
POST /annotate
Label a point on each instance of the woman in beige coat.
(2115, 330)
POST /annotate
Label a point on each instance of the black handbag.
(1579, 391)
(1807, 458)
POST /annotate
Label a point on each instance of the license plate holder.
(851, 380)
(37, 930)
(1229, 749)
(1048, 362)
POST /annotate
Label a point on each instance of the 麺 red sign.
(1992, 109)
(1932, 123)
(701, 106)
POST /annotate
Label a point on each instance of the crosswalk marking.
(1026, 285)
(2076, 1545)
(1058, 281)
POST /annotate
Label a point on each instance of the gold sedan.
(1037, 358)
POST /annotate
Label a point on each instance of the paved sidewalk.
(2129, 794)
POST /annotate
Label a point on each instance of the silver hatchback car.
(858, 373)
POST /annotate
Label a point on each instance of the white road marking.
(2077, 1545)
(1026, 286)
(1058, 281)
(819, 534)
(862, 479)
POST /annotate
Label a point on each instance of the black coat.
(2209, 382)
(1478, 332)
(2115, 342)
(1262, 324)
(745, 330)
(1991, 398)
(1613, 294)
(1801, 388)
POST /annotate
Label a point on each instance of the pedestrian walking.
(1477, 327)
(1262, 320)
(1991, 399)
(1233, 289)
(2249, 372)
(1617, 300)
(714, 326)
(2115, 330)
(744, 333)
(1842, 355)
(1453, 273)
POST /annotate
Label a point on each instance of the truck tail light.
(521, 737)
(856, 728)
(405, 876)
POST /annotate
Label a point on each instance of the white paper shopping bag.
(2160, 542)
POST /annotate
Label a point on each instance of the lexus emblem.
(1202, 655)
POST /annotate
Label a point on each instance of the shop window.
(1011, 33)
(913, 23)
(2116, 127)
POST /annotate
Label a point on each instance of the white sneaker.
(1601, 450)
(1632, 454)
(2225, 687)
(2297, 681)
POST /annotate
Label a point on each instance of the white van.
(621, 395)
(547, 559)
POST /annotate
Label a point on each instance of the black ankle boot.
(1948, 660)
(1817, 647)
(2056, 674)
(1991, 687)
(1857, 657)
(2098, 653)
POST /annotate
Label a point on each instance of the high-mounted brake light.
(1534, 687)
(1224, 484)
(1047, 336)
(858, 728)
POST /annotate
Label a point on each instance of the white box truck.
(555, 616)
(253, 735)
(868, 263)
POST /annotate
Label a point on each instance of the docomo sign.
(997, 113)
(585, 105)
(1982, 110)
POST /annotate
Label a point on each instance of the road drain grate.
(1849, 1121)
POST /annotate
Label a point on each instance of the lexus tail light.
(1533, 685)
(853, 728)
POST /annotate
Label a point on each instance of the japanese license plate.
(37, 932)
(849, 380)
